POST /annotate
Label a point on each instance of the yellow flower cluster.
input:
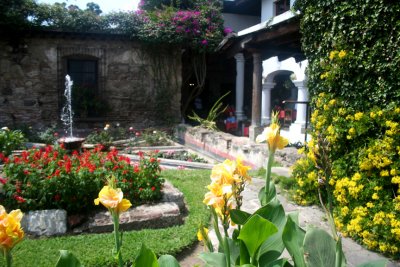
(333, 54)
(225, 178)
(11, 232)
(365, 171)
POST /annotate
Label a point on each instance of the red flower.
(57, 172)
(152, 160)
(57, 197)
(136, 169)
(68, 166)
(153, 188)
(26, 172)
(3, 180)
(19, 199)
(140, 154)
(140, 189)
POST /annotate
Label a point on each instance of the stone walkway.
(311, 215)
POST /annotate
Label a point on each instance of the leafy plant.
(179, 155)
(9, 141)
(155, 137)
(103, 137)
(365, 167)
(51, 178)
(261, 237)
(216, 110)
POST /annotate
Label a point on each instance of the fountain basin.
(71, 143)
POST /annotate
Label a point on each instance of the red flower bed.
(51, 178)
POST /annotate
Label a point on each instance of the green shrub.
(10, 140)
(368, 32)
(52, 178)
(352, 48)
(155, 138)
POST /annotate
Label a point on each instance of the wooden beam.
(278, 32)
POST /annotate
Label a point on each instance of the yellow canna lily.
(273, 138)
(11, 232)
(241, 170)
(200, 236)
(223, 173)
(112, 199)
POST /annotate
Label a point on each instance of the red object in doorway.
(246, 131)
(231, 126)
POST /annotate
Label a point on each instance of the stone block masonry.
(221, 146)
(170, 211)
(32, 78)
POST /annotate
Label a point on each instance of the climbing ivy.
(368, 31)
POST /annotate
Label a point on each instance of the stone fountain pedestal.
(71, 143)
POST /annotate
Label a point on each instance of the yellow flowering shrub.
(365, 180)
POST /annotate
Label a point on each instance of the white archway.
(273, 67)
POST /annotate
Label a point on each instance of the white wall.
(239, 22)
(267, 10)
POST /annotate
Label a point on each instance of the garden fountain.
(70, 142)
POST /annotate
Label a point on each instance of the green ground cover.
(95, 249)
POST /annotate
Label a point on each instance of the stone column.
(255, 127)
(302, 95)
(239, 86)
(266, 102)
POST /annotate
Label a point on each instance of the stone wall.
(221, 146)
(141, 88)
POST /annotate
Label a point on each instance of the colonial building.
(266, 47)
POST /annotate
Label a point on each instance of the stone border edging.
(169, 211)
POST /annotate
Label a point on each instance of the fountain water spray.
(66, 113)
(70, 142)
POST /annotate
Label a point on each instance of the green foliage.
(199, 28)
(352, 49)
(368, 31)
(364, 151)
(100, 136)
(260, 238)
(216, 110)
(14, 13)
(180, 155)
(52, 178)
(155, 137)
(94, 249)
(10, 140)
(197, 25)
(67, 259)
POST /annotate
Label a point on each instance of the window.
(281, 6)
(86, 101)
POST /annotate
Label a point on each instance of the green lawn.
(95, 249)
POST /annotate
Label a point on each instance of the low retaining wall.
(169, 211)
(220, 145)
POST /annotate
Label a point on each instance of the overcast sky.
(105, 5)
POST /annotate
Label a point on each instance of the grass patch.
(95, 249)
